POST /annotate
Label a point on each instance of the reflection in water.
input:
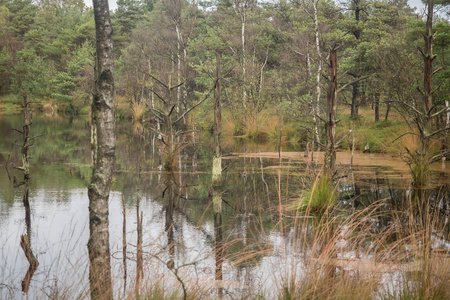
(218, 238)
(139, 258)
(124, 245)
(237, 229)
(25, 242)
(169, 225)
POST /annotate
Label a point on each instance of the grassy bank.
(368, 134)
(266, 126)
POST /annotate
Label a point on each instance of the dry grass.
(261, 126)
(255, 126)
(137, 110)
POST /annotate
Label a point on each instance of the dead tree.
(330, 122)
(26, 138)
(217, 177)
(169, 119)
(217, 157)
(423, 115)
(103, 150)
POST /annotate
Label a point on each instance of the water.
(256, 184)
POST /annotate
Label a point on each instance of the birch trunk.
(103, 149)
(240, 9)
(178, 67)
(244, 86)
(318, 74)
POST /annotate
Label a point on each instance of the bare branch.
(171, 111)
(435, 89)
(178, 85)
(439, 112)
(21, 132)
(317, 142)
(439, 131)
(341, 139)
(439, 156)
(323, 120)
(197, 104)
(350, 83)
(157, 95)
(437, 70)
(36, 136)
(184, 132)
(157, 80)
(420, 91)
(405, 104)
(402, 135)
(158, 117)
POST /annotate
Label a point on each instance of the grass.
(266, 125)
(258, 127)
(10, 105)
(378, 136)
(396, 251)
(318, 197)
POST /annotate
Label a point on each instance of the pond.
(163, 229)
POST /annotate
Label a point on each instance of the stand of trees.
(273, 54)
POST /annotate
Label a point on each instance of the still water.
(178, 225)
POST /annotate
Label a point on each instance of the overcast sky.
(113, 5)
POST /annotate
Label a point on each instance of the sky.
(413, 3)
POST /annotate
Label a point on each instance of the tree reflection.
(25, 242)
(218, 237)
(139, 258)
(169, 225)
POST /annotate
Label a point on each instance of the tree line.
(273, 56)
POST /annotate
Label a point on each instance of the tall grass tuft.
(137, 110)
(317, 198)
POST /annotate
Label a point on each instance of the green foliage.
(29, 75)
(72, 87)
(441, 49)
(48, 51)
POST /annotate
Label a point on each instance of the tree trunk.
(428, 58)
(330, 125)
(388, 108)
(318, 75)
(355, 100)
(241, 11)
(216, 180)
(26, 137)
(377, 107)
(217, 158)
(355, 92)
(447, 104)
(178, 66)
(103, 149)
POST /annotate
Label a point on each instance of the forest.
(273, 56)
(176, 149)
